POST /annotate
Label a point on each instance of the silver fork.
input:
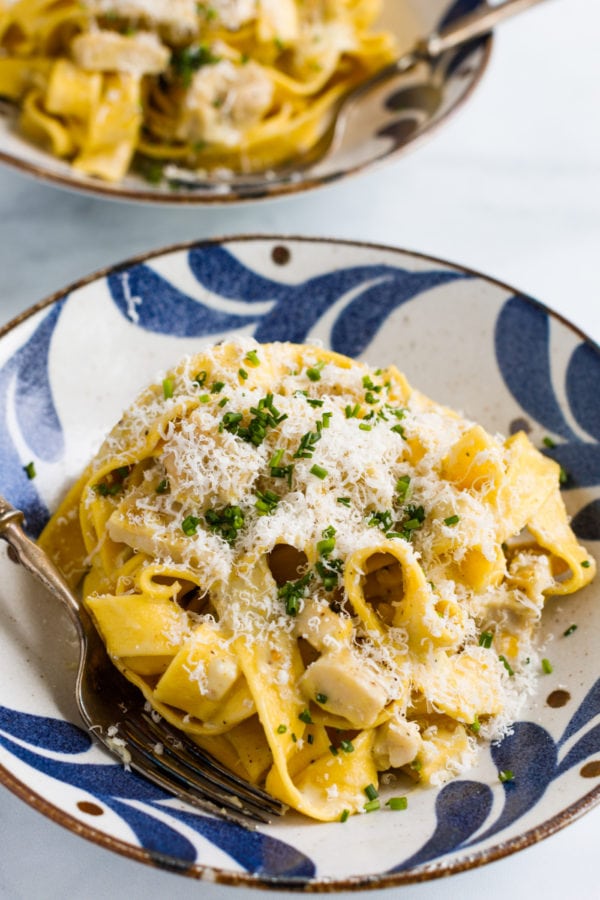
(478, 23)
(116, 714)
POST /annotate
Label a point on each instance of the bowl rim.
(326, 884)
(272, 192)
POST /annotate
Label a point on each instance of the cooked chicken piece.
(341, 685)
(232, 14)
(176, 19)
(278, 20)
(223, 100)
(108, 51)
(322, 627)
(396, 744)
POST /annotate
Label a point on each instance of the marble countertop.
(509, 187)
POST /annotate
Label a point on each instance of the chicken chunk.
(107, 51)
(224, 100)
(396, 744)
(176, 19)
(350, 691)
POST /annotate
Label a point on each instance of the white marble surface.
(511, 187)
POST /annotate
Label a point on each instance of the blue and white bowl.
(392, 119)
(68, 368)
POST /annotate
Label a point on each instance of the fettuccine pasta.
(317, 572)
(236, 84)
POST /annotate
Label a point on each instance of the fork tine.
(166, 771)
(211, 769)
(101, 690)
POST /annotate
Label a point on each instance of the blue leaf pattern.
(586, 711)
(583, 380)
(26, 393)
(461, 809)
(161, 308)
(586, 523)
(116, 788)
(522, 353)
(152, 303)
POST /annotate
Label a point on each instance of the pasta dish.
(317, 572)
(236, 84)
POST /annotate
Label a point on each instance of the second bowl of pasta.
(198, 102)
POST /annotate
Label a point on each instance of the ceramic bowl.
(394, 117)
(67, 370)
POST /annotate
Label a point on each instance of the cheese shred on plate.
(315, 571)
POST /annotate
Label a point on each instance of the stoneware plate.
(396, 115)
(67, 370)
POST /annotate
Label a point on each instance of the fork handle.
(33, 558)
(473, 25)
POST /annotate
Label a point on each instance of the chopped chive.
(251, 357)
(364, 427)
(306, 717)
(352, 411)
(318, 472)
(29, 470)
(216, 387)
(402, 487)
(204, 398)
(452, 520)
(570, 630)
(189, 526)
(291, 593)
(563, 476)
(306, 448)
(200, 378)
(371, 792)
(281, 729)
(243, 374)
(372, 805)
(382, 519)
(266, 501)
(485, 639)
(276, 459)
(345, 501)
(475, 725)
(310, 738)
(326, 546)
(398, 429)
(506, 665)
(397, 802)
(321, 698)
(293, 736)
(345, 815)
(312, 401)
(585, 564)
(167, 387)
(282, 472)
(347, 746)
(314, 373)
(163, 486)
(548, 442)
(223, 402)
(226, 521)
(369, 384)
(547, 666)
(506, 775)
(333, 750)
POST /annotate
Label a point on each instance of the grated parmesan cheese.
(345, 541)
